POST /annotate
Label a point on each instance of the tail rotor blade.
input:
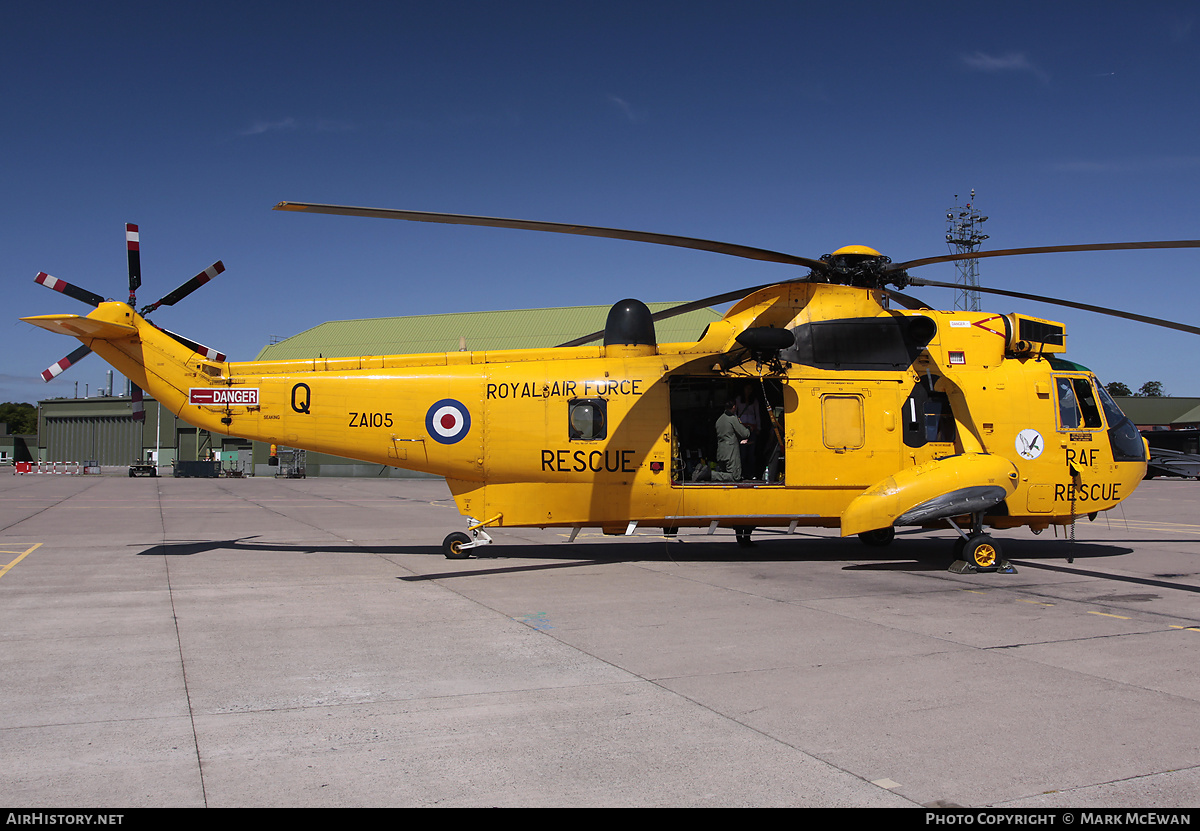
(198, 348)
(59, 367)
(137, 402)
(133, 244)
(187, 288)
(91, 298)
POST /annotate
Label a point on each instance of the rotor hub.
(856, 265)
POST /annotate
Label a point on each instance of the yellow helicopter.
(812, 403)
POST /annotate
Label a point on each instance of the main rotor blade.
(59, 367)
(187, 288)
(69, 290)
(732, 249)
(1153, 321)
(1049, 249)
(907, 302)
(681, 309)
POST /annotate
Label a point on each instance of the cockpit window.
(1077, 407)
(1127, 443)
(1111, 411)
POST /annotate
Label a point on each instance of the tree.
(1116, 388)
(1151, 389)
(20, 418)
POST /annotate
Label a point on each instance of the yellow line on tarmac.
(1170, 527)
(5, 569)
(1106, 614)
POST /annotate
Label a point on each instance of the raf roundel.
(448, 421)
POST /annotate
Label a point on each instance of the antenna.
(964, 233)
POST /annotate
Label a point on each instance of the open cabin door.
(763, 404)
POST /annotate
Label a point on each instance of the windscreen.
(1127, 445)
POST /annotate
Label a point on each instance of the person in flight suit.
(731, 434)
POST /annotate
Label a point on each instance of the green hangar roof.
(1152, 411)
(516, 329)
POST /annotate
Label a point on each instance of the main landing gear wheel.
(879, 537)
(983, 552)
(452, 546)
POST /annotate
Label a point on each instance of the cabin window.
(842, 421)
(927, 415)
(866, 343)
(587, 419)
(1077, 407)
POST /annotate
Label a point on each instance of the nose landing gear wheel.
(452, 546)
(983, 552)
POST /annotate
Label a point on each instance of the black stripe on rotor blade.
(69, 290)
(1087, 307)
(732, 249)
(1049, 249)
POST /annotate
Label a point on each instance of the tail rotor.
(134, 256)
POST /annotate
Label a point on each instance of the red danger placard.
(223, 396)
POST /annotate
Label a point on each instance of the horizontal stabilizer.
(78, 326)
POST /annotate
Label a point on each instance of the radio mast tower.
(964, 233)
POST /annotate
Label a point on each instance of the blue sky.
(791, 126)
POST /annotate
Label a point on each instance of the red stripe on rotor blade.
(138, 403)
(50, 282)
(58, 367)
(208, 352)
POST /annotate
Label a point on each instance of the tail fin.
(84, 328)
(150, 357)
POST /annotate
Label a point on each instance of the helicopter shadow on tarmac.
(914, 554)
(905, 555)
(911, 556)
